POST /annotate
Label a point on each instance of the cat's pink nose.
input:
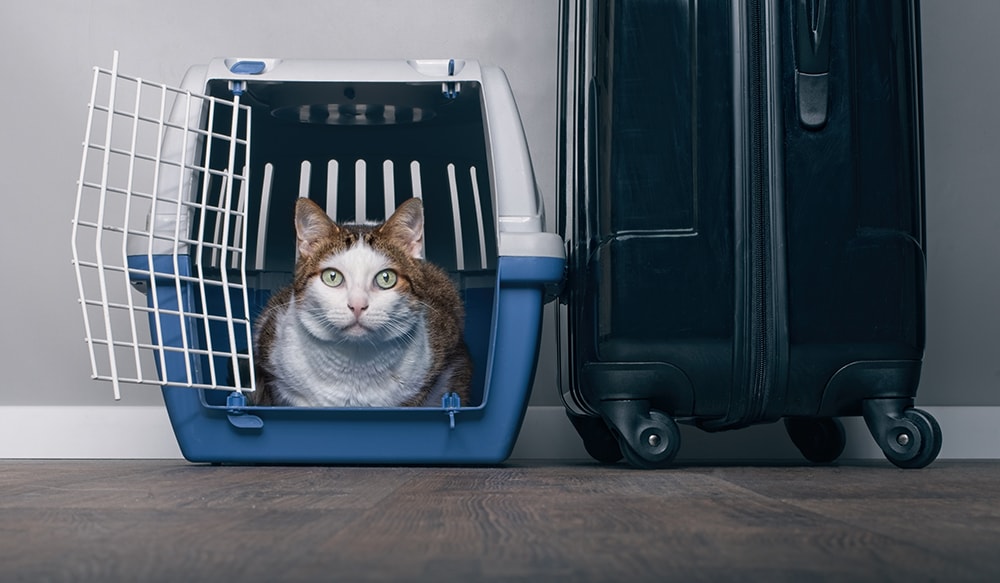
(358, 309)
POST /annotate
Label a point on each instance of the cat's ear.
(312, 226)
(405, 228)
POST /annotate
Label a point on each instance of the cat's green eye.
(386, 279)
(332, 277)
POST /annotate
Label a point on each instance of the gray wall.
(50, 46)
(962, 169)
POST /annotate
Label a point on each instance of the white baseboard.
(106, 432)
(144, 433)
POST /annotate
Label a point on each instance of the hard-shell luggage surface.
(742, 201)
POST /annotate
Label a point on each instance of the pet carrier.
(184, 221)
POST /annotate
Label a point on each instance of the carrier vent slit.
(305, 171)
(265, 205)
(360, 191)
(332, 175)
(479, 217)
(389, 182)
(418, 191)
(456, 218)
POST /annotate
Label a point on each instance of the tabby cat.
(366, 321)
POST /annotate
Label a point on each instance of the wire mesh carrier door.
(182, 231)
(149, 207)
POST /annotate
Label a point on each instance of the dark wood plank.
(151, 485)
(616, 526)
(948, 510)
(172, 521)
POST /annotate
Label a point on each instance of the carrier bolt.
(653, 439)
(903, 439)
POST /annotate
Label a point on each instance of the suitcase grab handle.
(812, 61)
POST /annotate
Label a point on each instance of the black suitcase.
(742, 198)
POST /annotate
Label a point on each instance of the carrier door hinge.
(237, 87)
(451, 403)
(451, 89)
(240, 419)
(244, 68)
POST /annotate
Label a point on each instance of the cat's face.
(353, 283)
(358, 293)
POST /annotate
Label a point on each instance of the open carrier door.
(150, 210)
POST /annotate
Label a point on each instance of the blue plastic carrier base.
(210, 428)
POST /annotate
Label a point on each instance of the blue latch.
(451, 88)
(451, 402)
(235, 403)
(248, 67)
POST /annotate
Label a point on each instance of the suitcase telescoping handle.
(812, 61)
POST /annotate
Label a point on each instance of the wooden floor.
(173, 521)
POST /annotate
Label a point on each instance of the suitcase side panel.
(854, 197)
(656, 291)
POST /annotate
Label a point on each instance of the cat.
(366, 321)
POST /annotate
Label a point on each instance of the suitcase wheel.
(599, 441)
(647, 438)
(656, 442)
(820, 439)
(910, 438)
(919, 440)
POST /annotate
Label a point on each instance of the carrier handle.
(812, 61)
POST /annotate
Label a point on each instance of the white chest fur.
(315, 372)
